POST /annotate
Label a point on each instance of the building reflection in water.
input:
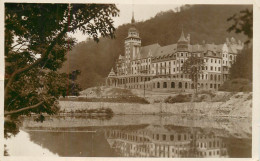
(166, 141)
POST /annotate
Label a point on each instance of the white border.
(256, 74)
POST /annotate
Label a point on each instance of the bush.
(178, 98)
(119, 91)
(208, 92)
(237, 85)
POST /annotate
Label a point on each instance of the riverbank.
(238, 105)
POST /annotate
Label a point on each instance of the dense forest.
(202, 22)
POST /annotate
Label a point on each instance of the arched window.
(211, 77)
(180, 85)
(158, 85)
(164, 84)
(172, 85)
(202, 85)
(186, 85)
(192, 86)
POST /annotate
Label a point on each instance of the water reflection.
(166, 141)
(131, 139)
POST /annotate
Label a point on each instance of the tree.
(241, 70)
(36, 41)
(243, 66)
(74, 87)
(193, 67)
(243, 23)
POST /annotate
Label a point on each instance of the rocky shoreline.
(239, 106)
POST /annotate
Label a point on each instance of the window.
(211, 67)
(186, 85)
(180, 85)
(164, 137)
(172, 137)
(172, 85)
(179, 137)
(164, 84)
(157, 136)
(158, 85)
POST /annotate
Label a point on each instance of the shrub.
(237, 85)
(208, 92)
(119, 91)
(178, 98)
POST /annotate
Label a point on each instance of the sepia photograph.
(128, 80)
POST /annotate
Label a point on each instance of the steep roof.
(166, 50)
(182, 38)
(112, 73)
(149, 49)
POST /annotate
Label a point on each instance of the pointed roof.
(112, 73)
(133, 18)
(182, 38)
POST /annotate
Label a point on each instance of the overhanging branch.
(22, 109)
(44, 55)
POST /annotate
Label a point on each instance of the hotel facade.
(156, 67)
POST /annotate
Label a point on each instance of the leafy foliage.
(193, 66)
(237, 85)
(73, 87)
(243, 66)
(36, 43)
(243, 23)
(241, 72)
(178, 98)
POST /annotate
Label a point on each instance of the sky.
(142, 12)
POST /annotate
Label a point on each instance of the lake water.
(133, 136)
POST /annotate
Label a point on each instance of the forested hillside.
(202, 22)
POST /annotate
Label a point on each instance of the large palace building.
(156, 67)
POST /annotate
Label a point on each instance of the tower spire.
(182, 38)
(133, 18)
